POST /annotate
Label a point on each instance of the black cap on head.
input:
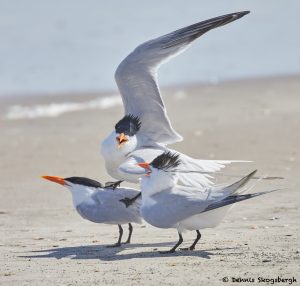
(166, 161)
(84, 182)
(129, 125)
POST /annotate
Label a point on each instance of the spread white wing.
(191, 172)
(197, 172)
(136, 77)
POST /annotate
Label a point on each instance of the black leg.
(130, 228)
(128, 202)
(112, 185)
(120, 237)
(192, 247)
(172, 250)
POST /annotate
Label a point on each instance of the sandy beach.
(45, 242)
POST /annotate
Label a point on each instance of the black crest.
(166, 161)
(84, 182)
(129, 125)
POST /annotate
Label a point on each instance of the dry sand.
(45, 242)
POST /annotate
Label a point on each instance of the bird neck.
(112, 153)
(82, 194)
(155, 184)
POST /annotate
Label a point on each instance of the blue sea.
(62, 46)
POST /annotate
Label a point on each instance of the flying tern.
(145, 130)
(102, 204)
(165, 204)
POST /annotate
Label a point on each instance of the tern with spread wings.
(145, 130)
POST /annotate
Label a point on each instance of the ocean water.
(35, 111)
(57, 46)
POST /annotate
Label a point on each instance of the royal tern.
(165, 204)
(145, 130)
(100, 204)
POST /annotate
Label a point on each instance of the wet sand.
(45, 242)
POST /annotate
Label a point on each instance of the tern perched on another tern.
(165, 204)
(100, 204)
(145, 130)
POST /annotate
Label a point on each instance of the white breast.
(112, 156)
(81, 194)
(204, 220)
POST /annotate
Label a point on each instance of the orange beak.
(121, 139)
(55, 179)
(145, 166)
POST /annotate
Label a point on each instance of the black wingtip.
(236, 198)
(233, 17)
(252, 173)
(247, 178)
(241, 14)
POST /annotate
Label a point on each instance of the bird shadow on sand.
(104, 253)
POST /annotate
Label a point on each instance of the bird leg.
(192, 247)
(112, 185)
(172, 250)
(118, 243)
(128, 202)
(130, 228)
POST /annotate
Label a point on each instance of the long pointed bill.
(55, 179)
(146, 166)
(121, 139)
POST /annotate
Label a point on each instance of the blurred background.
(233, 95)
(63, 46)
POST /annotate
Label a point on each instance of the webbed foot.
(112, 185)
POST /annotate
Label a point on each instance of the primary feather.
(136, 76)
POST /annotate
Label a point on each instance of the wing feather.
(196, 172)
(136, 77)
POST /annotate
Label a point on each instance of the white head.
(160, 174)
(81, 188)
